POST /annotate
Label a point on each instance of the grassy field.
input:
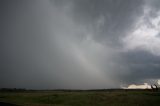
(81, 98)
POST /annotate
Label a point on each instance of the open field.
(81, 98)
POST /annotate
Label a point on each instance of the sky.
(79, 44)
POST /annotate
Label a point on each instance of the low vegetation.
(81, 98)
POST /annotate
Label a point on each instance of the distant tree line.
(12, 89)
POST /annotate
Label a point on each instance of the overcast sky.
(79, 44)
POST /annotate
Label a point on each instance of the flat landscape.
(81, 98)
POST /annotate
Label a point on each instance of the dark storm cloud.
(142, 66)
(81, 44)
(112, 20)
(109, 19)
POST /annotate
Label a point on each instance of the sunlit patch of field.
(82, 98)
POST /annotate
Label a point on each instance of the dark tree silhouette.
(154, 88)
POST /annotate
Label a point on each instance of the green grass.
(85, 98)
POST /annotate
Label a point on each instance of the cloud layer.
(79, 44)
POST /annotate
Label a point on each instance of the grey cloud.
(143, 66)
(154, 4)
(108, 19)
(71, 44)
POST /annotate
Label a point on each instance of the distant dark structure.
(154, 88)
